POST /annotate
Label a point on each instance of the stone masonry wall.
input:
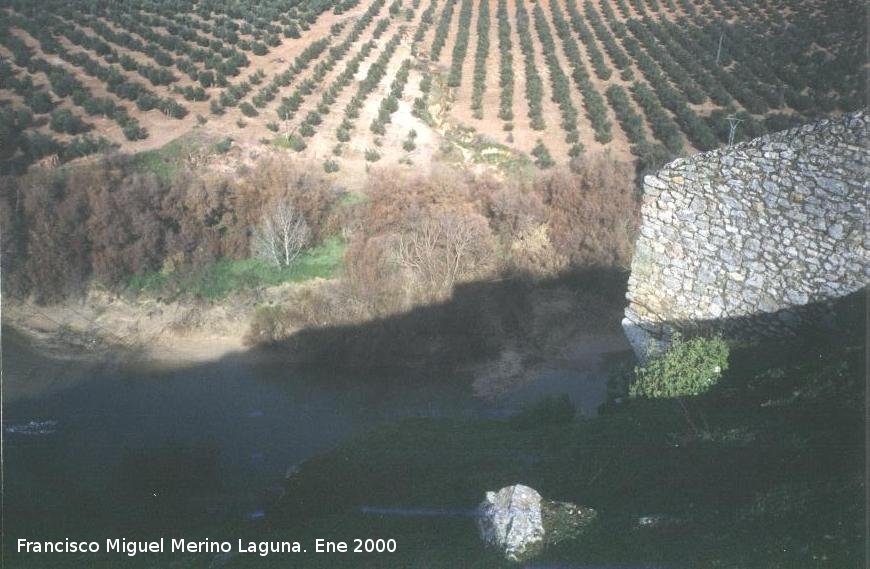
(751, 240)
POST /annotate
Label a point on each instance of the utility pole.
(721, 36)
(733, 121)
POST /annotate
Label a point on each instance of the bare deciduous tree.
(281, 234)
(444, 249)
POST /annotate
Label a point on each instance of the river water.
(95, 445)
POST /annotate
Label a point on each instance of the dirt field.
(447, 111)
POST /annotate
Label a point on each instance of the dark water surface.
(95, 447)
(133, 446)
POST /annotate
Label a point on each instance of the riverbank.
(505, 335)
(104, 325)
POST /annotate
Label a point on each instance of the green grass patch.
(226, 276)
(352, 198)
(486, 151)
(164, 161)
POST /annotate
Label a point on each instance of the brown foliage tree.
(443, 249)
(593, 214)
(123, 223)
(57, 243)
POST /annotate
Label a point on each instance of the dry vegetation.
(465, 266)
(448, 262)
(105, 221)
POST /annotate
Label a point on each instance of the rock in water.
(511, 520)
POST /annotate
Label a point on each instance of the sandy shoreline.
(101, 324)
(102, 327)
(121, 330)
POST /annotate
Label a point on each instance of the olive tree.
(281, 235)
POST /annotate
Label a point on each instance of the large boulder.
(518, 522)
(511, 520)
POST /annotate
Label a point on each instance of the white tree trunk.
(281, 235)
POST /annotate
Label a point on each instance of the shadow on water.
(477, 322)
(140, 450)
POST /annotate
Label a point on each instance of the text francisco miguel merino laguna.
(133, 548)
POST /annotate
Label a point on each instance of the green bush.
(687, 367)
(63, 120)
(248, 109)
(542, 156)
(132, 131)
(575, 150)
(223, 146)
(296, 143)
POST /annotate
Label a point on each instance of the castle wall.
(751, 239)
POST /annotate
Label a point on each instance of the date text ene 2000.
(359, 546)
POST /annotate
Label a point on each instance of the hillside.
(346, 83)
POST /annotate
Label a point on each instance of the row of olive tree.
(480, 56)
(596, 109)
(560, 84)
(506, 66)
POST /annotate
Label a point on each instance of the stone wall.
(753, 239)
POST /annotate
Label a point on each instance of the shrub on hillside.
(294, 142)
(63, 120)
(686, 368)
(248, 109)
(592, 213)
(418, 231)
(542, 156)
(372, 285)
